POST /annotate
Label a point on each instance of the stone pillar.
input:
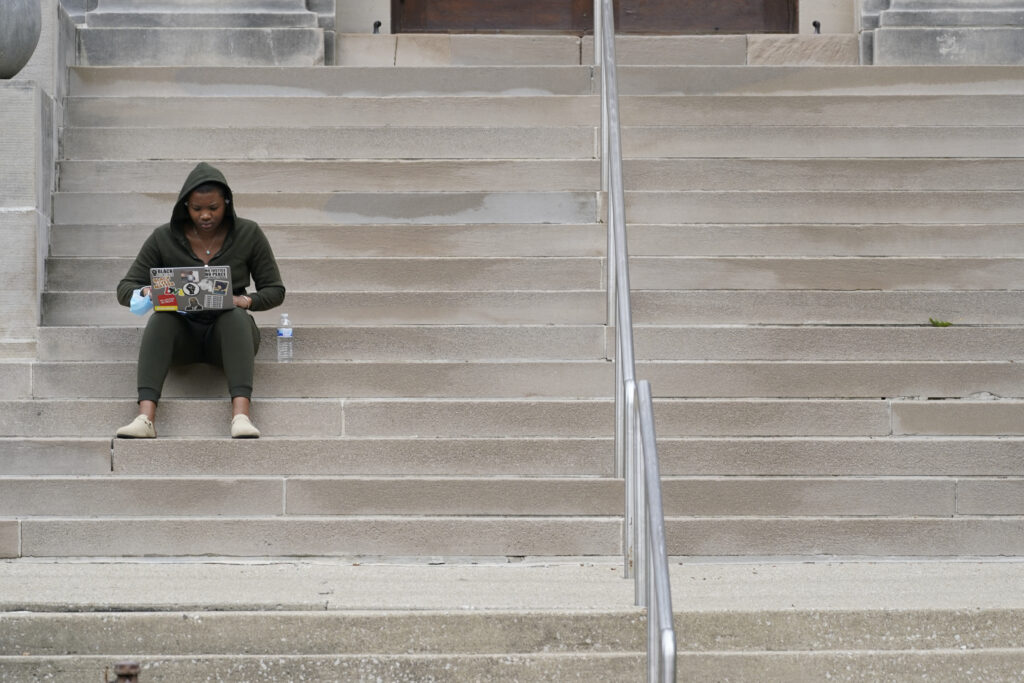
(26, 172)
(950, 32)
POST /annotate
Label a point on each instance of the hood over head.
(202, 174)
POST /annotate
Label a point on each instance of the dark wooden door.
(576, 16)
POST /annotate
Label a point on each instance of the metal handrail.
(636, 456)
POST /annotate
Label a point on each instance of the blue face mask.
(140, 305)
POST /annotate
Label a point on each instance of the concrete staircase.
(793, 230)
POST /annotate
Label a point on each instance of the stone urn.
(20, 24)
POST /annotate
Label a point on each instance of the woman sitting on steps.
(203, 230)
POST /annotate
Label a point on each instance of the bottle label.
(284, 332)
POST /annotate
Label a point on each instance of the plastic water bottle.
(284, 340)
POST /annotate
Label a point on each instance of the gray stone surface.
(860, 343)
(148, 496)
(340, 536)
(369, 308)
(804, 80)
(331, 379)
(10, 538)
(360, 82)
(20, 456)
(707, 50)
(352, 110)
(201, 46)
(839, 207)
(806, 273)
(949, 32)
(101, 418)
(366, 208)
(878, 536)
(823, 50)
(982, 417)
(825, 308)
(846, 456)
(384, 274)
(950, 45)
(406, 142)
(366, 456)
(782, 141)
(369, 343)
(453, 496)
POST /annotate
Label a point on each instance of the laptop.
(191, 289)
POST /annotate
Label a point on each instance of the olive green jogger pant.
(229, 341)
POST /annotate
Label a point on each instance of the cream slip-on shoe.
(243, 428)
(139, 428)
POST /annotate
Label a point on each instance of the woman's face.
(206, 209)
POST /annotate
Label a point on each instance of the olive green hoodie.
(245, 249)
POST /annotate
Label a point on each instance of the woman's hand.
(242, 301)
(147, 291)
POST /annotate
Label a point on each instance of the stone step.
(458, 49)
(404, 175)
(391, 343)
(189, 496)
(201, 47)
(820, 141)
(794, 307)
(656, 307)
(558, 174)
(519, 418)
(401, 274)
(951, 664)
(921, 456)
(905, 619)
(786, 343)
(816, 80)
(396, 632)
(844, 274)
(337, 110)
(549, 240)
(936, 456)
(215, 18)
(348, 207)
(417, 240)
(588, 342)
(696, 109)
(277, 456)
(399, 142)
(980, 536)
(22, 456)
(330, 379)
(543, 379)
(201, 17)
(428, 208)
(578, 142)
(808, 536)
(320, 536)
(555, 80)
(370, 308)
(646, 272)
(527, 668)
(288, 81)
(548, 110)
(840, 207)
(491, 495)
